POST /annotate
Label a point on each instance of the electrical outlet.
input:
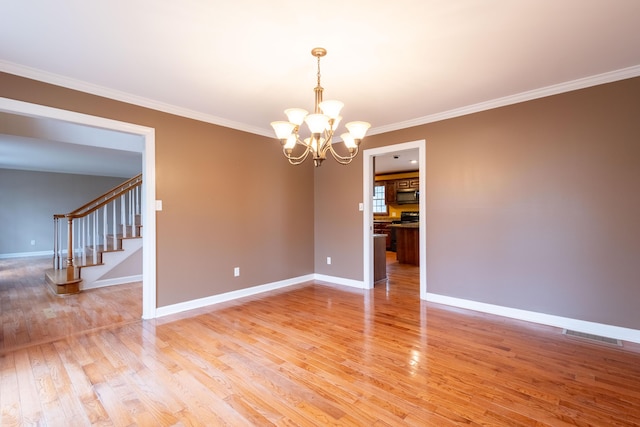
(328, 260)
(236, 271)
(33, 243)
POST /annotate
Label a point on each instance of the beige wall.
(230, 199)
(534, 206)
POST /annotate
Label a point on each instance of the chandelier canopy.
(322, 124)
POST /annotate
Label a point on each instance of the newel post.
(71, 274)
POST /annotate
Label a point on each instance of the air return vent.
(593, 338)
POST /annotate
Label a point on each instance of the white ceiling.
(394, 64)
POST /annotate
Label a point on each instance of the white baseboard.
(616, 332)
(340, 281)
(26, 254)
(228, 296)
(112, 282)
(610, 331)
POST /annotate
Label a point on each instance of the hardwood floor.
(30, 314)
(312, 354)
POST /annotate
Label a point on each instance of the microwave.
(407, 196)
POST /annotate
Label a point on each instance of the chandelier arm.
(340, 158)
(299, 159)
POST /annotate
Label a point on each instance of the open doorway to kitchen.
(369, 157)
(148, 169)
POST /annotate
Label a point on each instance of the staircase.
(104, 235)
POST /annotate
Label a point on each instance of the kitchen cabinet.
(407, 243)
(379, 258)
(382, 227)
(408, 183)
(389, 192)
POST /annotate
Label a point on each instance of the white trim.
(59, 80)
(26, 254)
(229, 296)
(148, 185)
(359, 284)
(70, 83)
(616, 332)
(612, 76)
(112, 282)
(367, 217)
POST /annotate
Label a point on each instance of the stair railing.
(96, 224)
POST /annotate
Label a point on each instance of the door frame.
(148, 181)
(367, 218)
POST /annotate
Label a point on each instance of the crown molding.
(609, 77)
(58, 80)
(69, 83)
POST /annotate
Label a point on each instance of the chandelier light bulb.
(296, 115)
(358, 129)
(336, 122)
(317, 122)
(331, 108)
(290, 142)
(347, 138)
(282, 129)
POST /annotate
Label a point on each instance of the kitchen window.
(379, 205)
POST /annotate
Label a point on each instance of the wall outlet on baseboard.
(329, 260)
(236, 271)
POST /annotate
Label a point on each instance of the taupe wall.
(534, 206)
(29, 199)
(230, 199)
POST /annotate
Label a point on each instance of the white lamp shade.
(336, 122)
(358, 129)
(331, 108)
(282, 129)
(347, 138)
(291, 142)
(296, 115)
(317, 123)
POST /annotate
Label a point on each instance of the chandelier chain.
(318, 71)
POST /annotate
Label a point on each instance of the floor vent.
(593, 338)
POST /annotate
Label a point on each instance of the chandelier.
(322, 124)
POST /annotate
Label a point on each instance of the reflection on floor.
(32, 314)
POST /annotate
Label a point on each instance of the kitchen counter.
(379, 257)
(408, 243)
(407, 225)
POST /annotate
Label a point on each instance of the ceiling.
(396, 64)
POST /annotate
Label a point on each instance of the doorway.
(148, 186)
(367, 219)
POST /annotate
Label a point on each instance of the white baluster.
(113, 225)
(105, 230)
(132, 213)
(95, 236)
(123, 217)
(83, 240)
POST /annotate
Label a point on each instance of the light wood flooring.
(310, 355)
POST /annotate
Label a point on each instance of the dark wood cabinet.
(382, 227)
(407, 183)
(408, 245)
(390, 192)
(379, 259)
